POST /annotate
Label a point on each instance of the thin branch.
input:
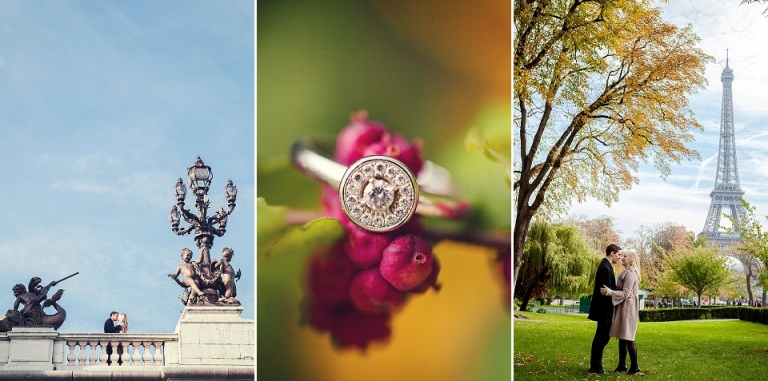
(498, 238)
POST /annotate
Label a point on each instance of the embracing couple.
(615, 307)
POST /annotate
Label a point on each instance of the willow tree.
(558, 261)
(599, 86)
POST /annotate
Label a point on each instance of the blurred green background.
(431, 70)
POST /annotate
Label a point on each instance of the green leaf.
(492, 136)
(484, 183)
(317, 234)
(281, 184)
(270, 222)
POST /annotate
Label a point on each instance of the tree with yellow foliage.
(598, 87)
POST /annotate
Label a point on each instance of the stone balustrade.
(208, 343)
(33, 347)
(126, 349)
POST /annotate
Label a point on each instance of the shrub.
(674, 314)
(547, 300)
(755, 315)
(541, 310)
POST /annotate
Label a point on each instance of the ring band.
(380, 193)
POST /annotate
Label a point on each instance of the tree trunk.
(537, 283)
(526, 298)
(764, 295)
(749, 282)
(522, 224)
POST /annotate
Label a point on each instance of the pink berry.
(412, 227)
(431, 281)
(331, 205)
(319, 316)
(355, 305)
(395, 146)
(356, 137)
(363, 247)
(330, 276)
(349, 328)
(406, 262)
(365, 138)
(354, 329)
(372, 294)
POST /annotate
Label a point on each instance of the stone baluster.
(83, 350)
(71, 354)
(147, 355)
(125, 356)
(136, 355)
(113, 357)
(81, 355)
(93, 358)
(158, 353)
(103, 358)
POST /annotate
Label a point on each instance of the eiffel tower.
(725, 196)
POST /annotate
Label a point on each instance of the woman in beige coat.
(626, 307)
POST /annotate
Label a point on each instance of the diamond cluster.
(378, 193)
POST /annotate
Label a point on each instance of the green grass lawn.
(556, 347)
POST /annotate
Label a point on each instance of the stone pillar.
(5, 347)
(59, 350)
(215, 336)
(31, 348)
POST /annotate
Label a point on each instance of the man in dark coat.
(110, 327)
(601, 307)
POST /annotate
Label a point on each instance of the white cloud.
(704, 171)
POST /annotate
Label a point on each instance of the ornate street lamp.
(200, 176)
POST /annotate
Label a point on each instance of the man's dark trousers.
(598, 344)
(601, 311)
(110, 327)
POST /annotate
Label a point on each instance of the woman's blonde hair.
(634, 263)
(122, 318)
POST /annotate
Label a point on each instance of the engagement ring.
(380, 193)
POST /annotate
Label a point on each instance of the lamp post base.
(210, 298)
(215, 337)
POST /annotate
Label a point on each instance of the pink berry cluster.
(356, 286)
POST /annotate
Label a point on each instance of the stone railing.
(100, 349)
(208, 343)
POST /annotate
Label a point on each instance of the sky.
(103, 106)
(684, 197)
